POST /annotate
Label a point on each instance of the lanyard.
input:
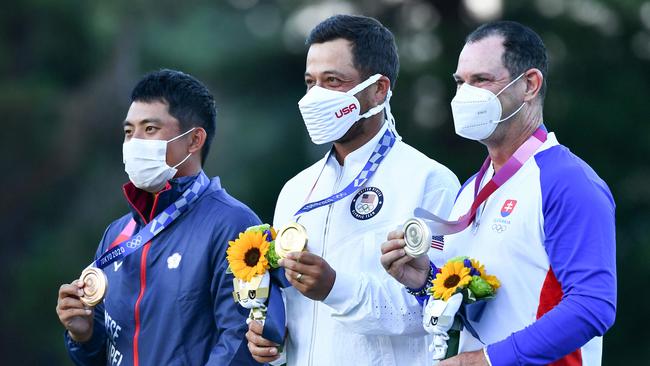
(155, 226)
(440, 226)
(381, 150)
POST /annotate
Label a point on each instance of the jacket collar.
(361, 155)
(145, 206)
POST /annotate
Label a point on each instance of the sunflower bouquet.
(250, 257)
(460, 282)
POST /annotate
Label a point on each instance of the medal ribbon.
(381, 150)
(440, 226)
(155, 226)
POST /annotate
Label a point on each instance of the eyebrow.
(148, 120)
(328, 72)
(483, 75)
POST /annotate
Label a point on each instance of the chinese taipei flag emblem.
(508, 207)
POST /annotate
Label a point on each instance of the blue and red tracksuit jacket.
(170, 302)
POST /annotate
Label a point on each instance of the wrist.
(80, 338)
(423, 290)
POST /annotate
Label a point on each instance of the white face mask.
(329, 114)
(477, 111)
(145, 161)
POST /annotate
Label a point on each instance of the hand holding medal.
(95, 286)
(291, 238)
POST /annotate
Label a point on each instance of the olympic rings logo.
(364, 208)
(135, 242)
(499, 228)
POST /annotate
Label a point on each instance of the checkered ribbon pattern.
(382, 149)
(157, 225)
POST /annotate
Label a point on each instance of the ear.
(534, 81)
(383, 86)
(198, 139)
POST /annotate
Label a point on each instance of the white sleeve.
(377, 304)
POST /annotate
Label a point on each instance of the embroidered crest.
(173, 261)
(508, 207)
(366, 203)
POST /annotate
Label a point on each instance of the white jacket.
(368, 318)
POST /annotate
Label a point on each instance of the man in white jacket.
(343, 308)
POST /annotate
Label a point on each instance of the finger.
(70, 289)
(392, 245)
(263, 354)
(256, 327)
(258, 340)
(71, 313)
(400, 262)
(389, 258)
(396, 234)
(254, 334)
(298, 285)
(305, 257)
(71, 303)
(292, 265)
(265, 360)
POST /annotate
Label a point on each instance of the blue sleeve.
(578, 211)
(229, 317)
(93, 352)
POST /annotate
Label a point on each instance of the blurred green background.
(67, 68)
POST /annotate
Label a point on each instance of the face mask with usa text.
(329, 114)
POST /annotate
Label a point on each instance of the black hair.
(189, 101)
(373, 45)
(524, 49)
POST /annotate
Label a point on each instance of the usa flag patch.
(438, 242)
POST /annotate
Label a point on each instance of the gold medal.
(95, 286)
(291, 238)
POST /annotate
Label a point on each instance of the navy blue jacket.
(170, 302)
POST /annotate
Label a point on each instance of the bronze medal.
(95, 286)
(417, 236)
(291, 238)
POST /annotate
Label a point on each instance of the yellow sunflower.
(454, 275)
(490, 279)
(247, 255)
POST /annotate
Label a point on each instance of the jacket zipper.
(143, 284)
(325, 232)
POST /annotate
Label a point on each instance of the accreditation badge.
(95, 286)
(291, 238)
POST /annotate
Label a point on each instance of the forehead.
(484, 56)
(335, 55)
(140, 111)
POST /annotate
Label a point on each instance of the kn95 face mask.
(477, 111)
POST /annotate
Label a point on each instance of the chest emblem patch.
(508, 207)
(174, 261)
(367, 203)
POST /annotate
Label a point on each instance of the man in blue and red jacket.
(169, 302)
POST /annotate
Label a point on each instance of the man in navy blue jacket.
(169, 302)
